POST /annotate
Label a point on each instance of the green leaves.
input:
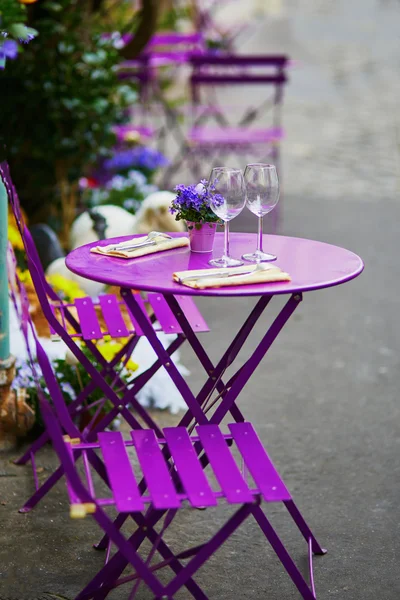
(60, 98)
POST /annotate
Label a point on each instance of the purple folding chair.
(158, 487)
(251, 130)
(165, 53)
(166, 49)
(88, 327)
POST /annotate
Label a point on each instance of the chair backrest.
(43, 290)
(175, 45)
(214, 70)
(29, 244)
(212, 74)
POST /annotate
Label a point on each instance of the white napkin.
(161, 244)
(241, 276)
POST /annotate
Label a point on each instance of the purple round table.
(312, 265)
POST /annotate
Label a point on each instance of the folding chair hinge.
(72, 441)
(80, 511)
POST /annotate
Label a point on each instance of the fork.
(150, 240)
(259, 267)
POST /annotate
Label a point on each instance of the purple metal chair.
(164, 485)
(167, 51)
(87, 328)
(251, 130)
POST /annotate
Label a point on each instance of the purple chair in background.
(248, 131)
(165, 53)
(158, 487)
(87, 328)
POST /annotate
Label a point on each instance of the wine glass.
(262, 189)
(227, 192)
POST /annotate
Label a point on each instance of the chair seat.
(168, 487)
(111, 317)
(234, 135)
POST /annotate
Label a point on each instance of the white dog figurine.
(153, 215)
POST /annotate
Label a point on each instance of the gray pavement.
(325, 401)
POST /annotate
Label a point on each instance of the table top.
(312, 265)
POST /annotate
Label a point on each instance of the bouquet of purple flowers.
(193, 204)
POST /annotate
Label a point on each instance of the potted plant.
(192, 204)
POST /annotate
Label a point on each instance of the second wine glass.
(227, 192)
(262, 189)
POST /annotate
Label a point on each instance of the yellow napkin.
(161, 244)
(271, 273)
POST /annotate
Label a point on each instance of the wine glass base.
(225, 261)
(259, 257)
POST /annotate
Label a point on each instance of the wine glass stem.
(260, 234)
(226, 231)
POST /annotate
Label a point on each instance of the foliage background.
(59, 104)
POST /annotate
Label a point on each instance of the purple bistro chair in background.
(87, 328)
(250, 131)
(165, 53)
(162, 489)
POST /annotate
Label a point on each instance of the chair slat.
(112, 316)
(155, 470)
(189, 468)
(88, 319)
(123, 484)
(225, 468)
(258, 463)
(164, 314)
(192, 313)
(235, 135)
(139, 300)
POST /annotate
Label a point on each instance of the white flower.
(200, 189)
(137, 177)
(118, 183)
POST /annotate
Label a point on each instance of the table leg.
(250, 366)
(166, 360)
(215, 373)
(214, 380)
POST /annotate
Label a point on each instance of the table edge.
(220, 292)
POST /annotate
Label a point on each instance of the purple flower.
(139, 157)
(193, 203)
(8, 49)
(24, 376)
